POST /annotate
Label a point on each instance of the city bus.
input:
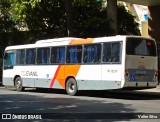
(74, 64)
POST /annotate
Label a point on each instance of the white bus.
(74, 64)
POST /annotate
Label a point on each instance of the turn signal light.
(156, 73)
(126, 72)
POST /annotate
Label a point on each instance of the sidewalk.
(155, 90)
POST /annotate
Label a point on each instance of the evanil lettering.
(29, 73)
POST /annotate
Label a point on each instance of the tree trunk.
(69, 15)
(112, 14)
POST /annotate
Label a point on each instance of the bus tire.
(71, 87)
(18, 84)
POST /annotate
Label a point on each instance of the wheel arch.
(68, 78)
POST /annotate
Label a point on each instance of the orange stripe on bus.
(53, 80)
(60, 76)
(81, 41)
(63, 72)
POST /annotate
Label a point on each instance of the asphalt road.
(87, 106)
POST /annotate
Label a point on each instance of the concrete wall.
(144, 28)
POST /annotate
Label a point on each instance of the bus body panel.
(87, 72)
(38, 76)
(8, 77)
(112, 73)
(89, 77)
(141, 71)
(141, 62)
(99, 77)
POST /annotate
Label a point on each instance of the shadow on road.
(63, 108)
(114, 94)
(123, 94)
(69, 108)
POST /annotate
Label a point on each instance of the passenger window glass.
(43, 55)
(9, 60)
(74, 54)
(20, 57)
(92, 53)
(112, 52)
(30, 56)
(107, 52)
(116, 52)
(58, 55)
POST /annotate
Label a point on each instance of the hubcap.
(18, 84)
(71, 87)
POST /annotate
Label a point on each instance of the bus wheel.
(18, 84)
(71, 87)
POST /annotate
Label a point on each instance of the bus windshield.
(8, 60)
(139, 46)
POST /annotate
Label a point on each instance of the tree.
(44, 19)
(90, 19)
(46, 15)
(6, 24)
(126, 22)
(47, 18)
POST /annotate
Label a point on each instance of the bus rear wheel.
(18, 84)
(71, 87)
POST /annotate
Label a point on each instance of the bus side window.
(43, 55)
(107, 52)
(53, 55)
(92, 53)
(111, 52)
(58, 55)
(30, 56)
(62, 55)
(20, 57)
(116, 52)
(74, 54)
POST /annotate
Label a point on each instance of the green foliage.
(90, 20)
(6, 24)
(126, 22)
(20, 8)
(47, 18)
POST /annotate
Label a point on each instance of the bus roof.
(70, 40)
(56, 40)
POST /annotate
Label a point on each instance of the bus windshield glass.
(8, 60)
(141, 46)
